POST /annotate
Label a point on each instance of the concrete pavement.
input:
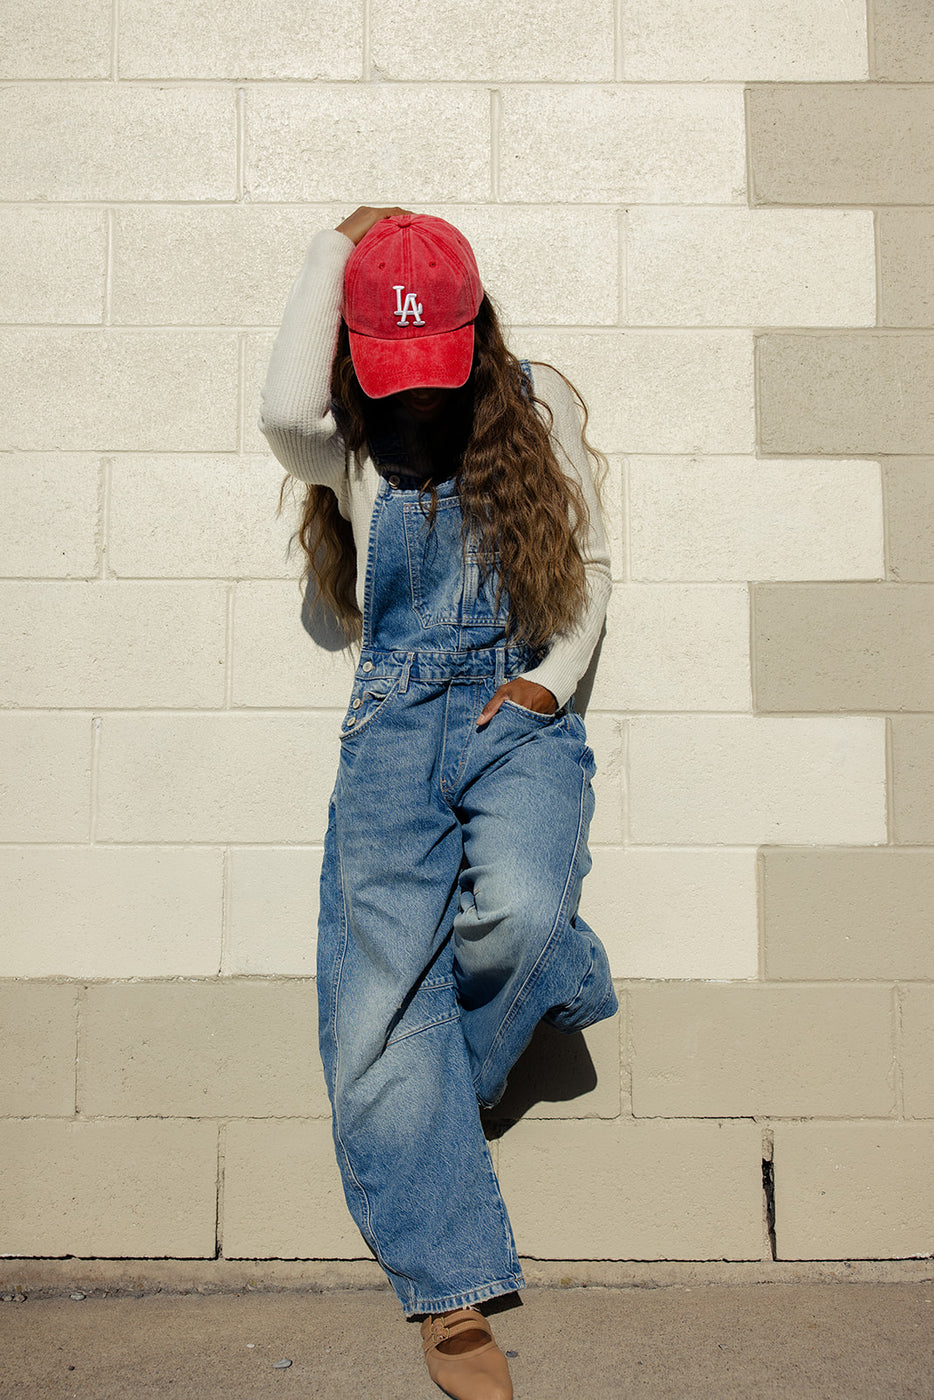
(782, 1340)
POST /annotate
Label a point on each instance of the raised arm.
(295, 416)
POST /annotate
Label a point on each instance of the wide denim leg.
(449, 926)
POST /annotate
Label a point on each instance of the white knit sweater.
(297, 422)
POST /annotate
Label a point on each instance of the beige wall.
(719, 220)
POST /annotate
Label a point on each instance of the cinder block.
(216, 777)
(753, 1051)
(214, 266)
(73, 242)
(229, 527)
(283, 1197)
(739, 518)
(116, 911)
(750, 267)
(597, 1190)
(913, 779)
(903, 41)
(606, 735)
(113, 644)
(909, 509)
(846, 392)
(657, 391)
(566, 1076)
(664, 914)
(731, 39)
(841, 143)
(282, 39)
(38, 1029)
(675, 647)
(906, 266)
(133, 391)
(386, 142)
(48, 40)
(123, 142)
(545, 265)
(848, 914)
(272, 911)
(29, 548)
(917, 1050)
(513, 41)
(853, 1190)
(701, 780)
(843, 646)
(680, 144)
(121, 1189)
(45, 782)
(280, 651)
(202, 1049)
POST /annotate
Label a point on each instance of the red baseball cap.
(411, 294)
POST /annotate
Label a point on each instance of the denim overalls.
(452, 868)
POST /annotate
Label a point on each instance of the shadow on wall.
(555, 1068)
(320, 624)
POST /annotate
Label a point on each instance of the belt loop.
(404, 678)
(500, 666)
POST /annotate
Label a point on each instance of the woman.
(452, 525)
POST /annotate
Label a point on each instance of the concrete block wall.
(718, 219)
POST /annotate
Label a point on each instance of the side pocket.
(367, 700)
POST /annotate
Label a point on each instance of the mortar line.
(219, 1190)
(225, 911)
(496, 125)
(115, 41)
(625, 495)
(241, 392)
(96, 725)
(871, 39)
(240, 113)
(897, 1047)
(81, 1005)
(622, 263)
(761, 975)
(889, 756)
(366, 48)
(106, 488)
(769, 1244)
(228, 647)
(750, 178)
(619, 56)
(107, 307)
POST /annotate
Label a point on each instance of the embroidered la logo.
(409, 307)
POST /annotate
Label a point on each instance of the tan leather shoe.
(479, 1374)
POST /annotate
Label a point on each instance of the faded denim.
(452, 870)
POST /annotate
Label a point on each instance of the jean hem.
(466, 1299)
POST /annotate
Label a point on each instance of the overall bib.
(452, 869)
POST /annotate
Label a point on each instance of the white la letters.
(409, 307)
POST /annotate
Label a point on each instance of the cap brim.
(423, 362)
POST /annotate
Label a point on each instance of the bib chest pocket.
(448, 584)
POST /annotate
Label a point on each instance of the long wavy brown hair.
(528, 516)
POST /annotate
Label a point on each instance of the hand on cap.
(359, 223)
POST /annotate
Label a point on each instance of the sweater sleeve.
(569, 654)
(295, 416)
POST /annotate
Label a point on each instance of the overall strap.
(527, 382)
